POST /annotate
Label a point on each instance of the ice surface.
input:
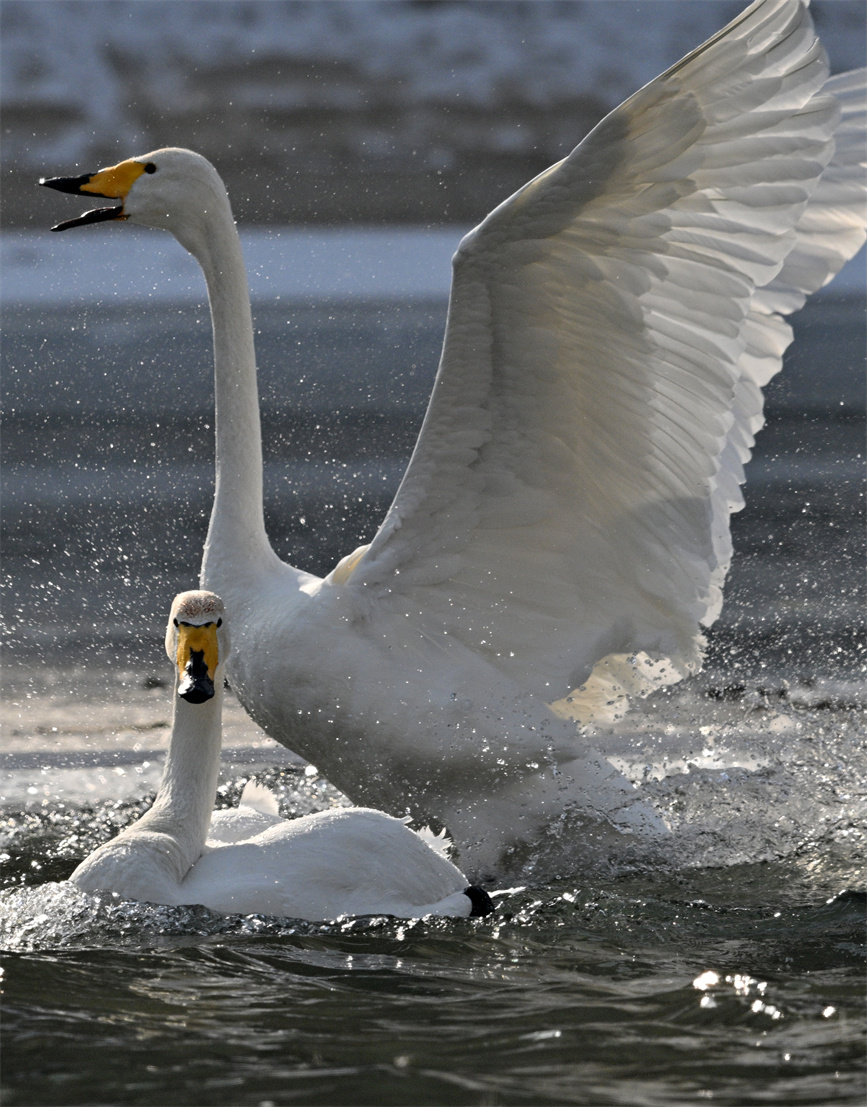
(128, 265)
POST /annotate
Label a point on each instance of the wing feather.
(610, 327)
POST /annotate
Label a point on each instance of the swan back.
(346, 861)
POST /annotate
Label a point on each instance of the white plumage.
(347, 861)
(562, 530)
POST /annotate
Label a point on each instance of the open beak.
(113, 183)
(197, 661)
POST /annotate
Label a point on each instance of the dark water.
(731, 971)
(638, 993)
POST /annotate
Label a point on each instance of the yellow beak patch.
(116, 181)
(204, 640)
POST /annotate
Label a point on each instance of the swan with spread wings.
(561, 534)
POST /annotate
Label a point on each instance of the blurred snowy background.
(333, 112)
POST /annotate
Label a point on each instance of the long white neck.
(237, 545)
(185, 798)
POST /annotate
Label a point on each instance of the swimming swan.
(561, 533)
(347, 861)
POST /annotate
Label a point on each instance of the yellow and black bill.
(197, 659)
(112, 184)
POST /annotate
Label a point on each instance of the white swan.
(562, 530)
(347, 861)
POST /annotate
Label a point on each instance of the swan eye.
(150, 167)
(219, 622)
(175, 621)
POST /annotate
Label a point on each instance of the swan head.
(172, 189)
(197, 644)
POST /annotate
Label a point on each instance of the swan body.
(561, 534)
(349, 861)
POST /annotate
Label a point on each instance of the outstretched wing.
(570, 491)
(831, 229)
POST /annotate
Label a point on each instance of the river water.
(728, 969)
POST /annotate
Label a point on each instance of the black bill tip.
(97, 215)
(196, 685)
(195, 690)
(74, 185)
(66, 184)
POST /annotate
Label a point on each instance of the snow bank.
(81, 75)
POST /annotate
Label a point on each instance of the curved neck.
(185, 798)
(236, 535)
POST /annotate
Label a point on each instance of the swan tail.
(260, 798)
